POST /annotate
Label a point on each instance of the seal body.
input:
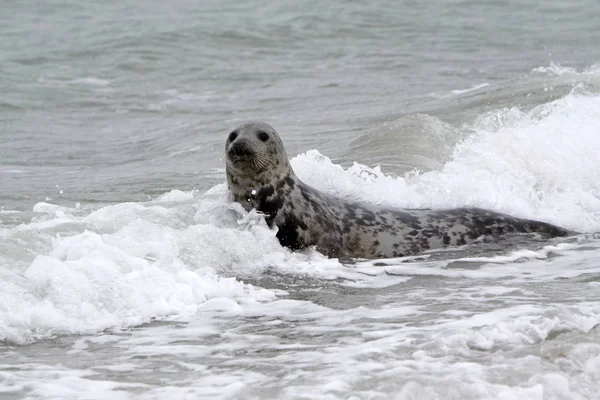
(260, 177)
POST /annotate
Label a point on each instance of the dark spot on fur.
(288, 232)
(368, 216)
(232, 179)
(446, 239)
(350, 206)
(315, 205)
(265, 191)
(290, 181)
(306, 195)
(270, 208)
(405, 218)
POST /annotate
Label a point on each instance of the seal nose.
(241, 148)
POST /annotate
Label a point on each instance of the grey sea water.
(125, 271)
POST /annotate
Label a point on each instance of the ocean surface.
(127, 273)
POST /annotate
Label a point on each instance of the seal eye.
(232, 136)
(263, 136)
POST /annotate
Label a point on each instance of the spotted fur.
(260, 177)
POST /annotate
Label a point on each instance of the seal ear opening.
(263, 136)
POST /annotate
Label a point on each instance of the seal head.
(255, 160)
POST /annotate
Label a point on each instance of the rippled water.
(126, 272)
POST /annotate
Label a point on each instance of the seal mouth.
(244, 158)
(239, 162)
(240, 158)
(246, 166)
(242, 164)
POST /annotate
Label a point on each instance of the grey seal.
(260, 177)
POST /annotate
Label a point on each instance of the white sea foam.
(557, 70)
(472, 89)
(540, 164)
(554, 70)
(123, 268)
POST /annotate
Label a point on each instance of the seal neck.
(260, 192)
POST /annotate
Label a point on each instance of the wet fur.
(306, 216)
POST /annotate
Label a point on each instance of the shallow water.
(126, 272)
